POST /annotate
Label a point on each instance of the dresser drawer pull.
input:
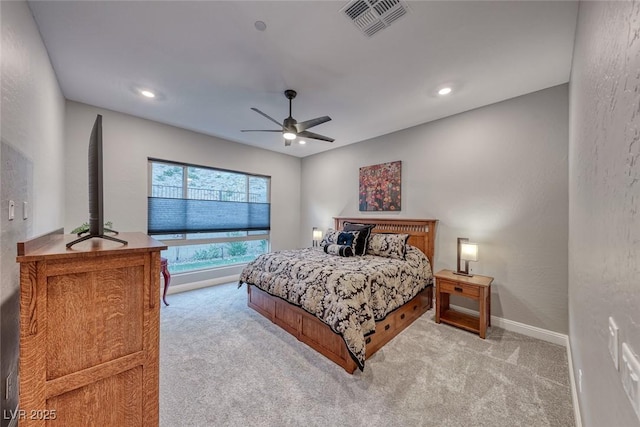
(457, 289)
(415, 307)
(368, 340)
(386, 327)
(402, 316)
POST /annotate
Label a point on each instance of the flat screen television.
(96, 207)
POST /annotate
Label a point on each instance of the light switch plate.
(631, 377)
(613, 342)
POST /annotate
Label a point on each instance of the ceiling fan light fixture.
(289, 135)
(147, 93)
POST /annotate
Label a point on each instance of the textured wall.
(127, 143)
(497, 175)
(32, 165)
(604, 207)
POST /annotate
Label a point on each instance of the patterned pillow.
(363, 238)
(388, 245)
(340, 250)
(337, 237)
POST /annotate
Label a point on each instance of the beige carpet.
(222, 364)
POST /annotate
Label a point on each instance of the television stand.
(99, 236)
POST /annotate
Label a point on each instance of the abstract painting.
(380, 187)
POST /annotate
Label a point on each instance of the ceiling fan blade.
(265, 115)
(307, 134)
(261, 130)
(311, 123)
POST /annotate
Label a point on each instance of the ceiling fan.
(291, 129)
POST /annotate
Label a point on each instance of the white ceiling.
(209, 64)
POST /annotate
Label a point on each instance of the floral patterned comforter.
(347, 293)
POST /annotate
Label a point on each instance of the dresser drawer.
(465, 290)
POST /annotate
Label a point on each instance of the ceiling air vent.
(371, 16)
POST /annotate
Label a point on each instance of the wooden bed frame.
(317, 335)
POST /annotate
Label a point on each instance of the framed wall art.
(380, 187)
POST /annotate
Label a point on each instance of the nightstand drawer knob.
(368, 340)
(386, 327)
(458, 289)
(402, 316)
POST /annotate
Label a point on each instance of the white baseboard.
(521, 328)
(202, 284)
(574, 388)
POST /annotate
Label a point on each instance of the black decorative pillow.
(340, 250)
(337, 237)
(388, 245)
(363, 237)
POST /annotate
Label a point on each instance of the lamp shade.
(469, 251)
(317, 234)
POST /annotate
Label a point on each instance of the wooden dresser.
(89, 331)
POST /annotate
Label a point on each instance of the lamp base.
(461, 273)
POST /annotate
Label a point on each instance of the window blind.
(178, 216)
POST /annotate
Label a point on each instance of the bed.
(346, 308)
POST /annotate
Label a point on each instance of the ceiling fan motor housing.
(290, 124)
(290, 93)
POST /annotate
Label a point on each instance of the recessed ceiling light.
(260, 26)
(147, 93)
(444, 91)
(302, 142)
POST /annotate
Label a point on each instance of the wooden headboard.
(422, 232)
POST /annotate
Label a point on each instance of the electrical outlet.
(631, 377)
(613, 342)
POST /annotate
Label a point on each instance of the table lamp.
(316, 236)
(466, 252)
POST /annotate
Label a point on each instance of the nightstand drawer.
(453, 288)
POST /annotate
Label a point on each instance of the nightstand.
(476, 287)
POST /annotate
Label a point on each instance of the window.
(208, 217)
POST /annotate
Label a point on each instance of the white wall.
(604, 203)
(129, 141)
(33, 112)
(497, 175)
(32, 162)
